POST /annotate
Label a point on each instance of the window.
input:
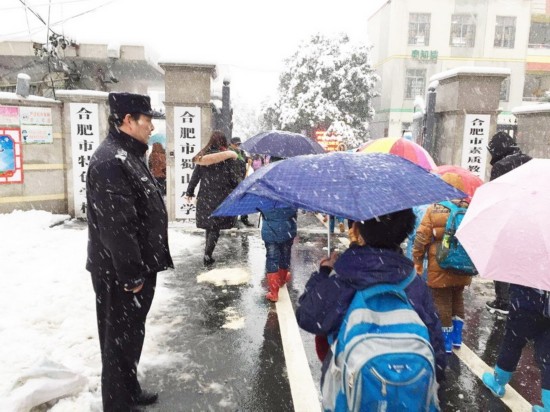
(505, 32)
(504, 90)
(539, 35)
(463, 30)
(419, 29)
(415, 81)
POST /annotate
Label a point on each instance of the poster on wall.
(474, 144)
(187, 141)
(84, 140)
(36, 125)
(11, 157)
(9, 116)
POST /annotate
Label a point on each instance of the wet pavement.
(223, 369)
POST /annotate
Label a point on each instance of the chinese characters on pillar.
(187, 143)
(474, 145)
(84, 140)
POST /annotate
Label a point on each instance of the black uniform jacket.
(127, 218)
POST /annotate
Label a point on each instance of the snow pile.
(48, 309)
(225, 276)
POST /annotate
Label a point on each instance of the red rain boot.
(273, 286)
(284, 277)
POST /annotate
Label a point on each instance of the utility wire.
(6, 36)
(44, 4)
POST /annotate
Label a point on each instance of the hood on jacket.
(502, 145)
(364, 266)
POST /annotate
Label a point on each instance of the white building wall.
(388, 31)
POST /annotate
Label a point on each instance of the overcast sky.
(247, 39)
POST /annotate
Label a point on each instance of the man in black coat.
(127, 246)
(505, 157)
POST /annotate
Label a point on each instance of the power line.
(6, 36)
(58, 3)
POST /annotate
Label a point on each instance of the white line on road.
(302, 386)
(512, 398)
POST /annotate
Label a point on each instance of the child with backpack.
(335, 306)
(447, 284)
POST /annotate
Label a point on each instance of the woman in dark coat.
(215, 170)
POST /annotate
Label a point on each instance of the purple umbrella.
(282, 144)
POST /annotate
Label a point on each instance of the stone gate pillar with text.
(466, 111)
(188, 128)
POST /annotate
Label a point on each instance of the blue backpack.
(382, 359)
(450, 254)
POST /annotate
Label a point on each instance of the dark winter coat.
(327, 294)
(533, 300)
(217, 181)
(127, 219)
(279, 224)
(505, 155)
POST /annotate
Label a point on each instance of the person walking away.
(278, 232)
(377, 260)
(217, 181)
(243, 163)
(157, 165)
(505, 157)
(446, 286)
(127, 246)
(528, 320)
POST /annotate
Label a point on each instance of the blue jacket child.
(278, 233)
(328, 293)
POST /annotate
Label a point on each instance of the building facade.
(414, 40)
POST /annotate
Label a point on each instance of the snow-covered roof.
(82, 92)
(14, 96)
(481, 71)
(532, 108)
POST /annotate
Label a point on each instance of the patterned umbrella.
(399, 146)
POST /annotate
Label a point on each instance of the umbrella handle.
(328, 239)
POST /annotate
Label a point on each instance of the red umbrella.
(470, 182)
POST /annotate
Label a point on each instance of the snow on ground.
(225, 276)
(48, 306)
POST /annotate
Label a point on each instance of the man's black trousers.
(121, 319)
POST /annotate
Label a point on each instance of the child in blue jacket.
(278, 233)
(329, 292)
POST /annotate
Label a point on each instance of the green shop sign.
(427, 56)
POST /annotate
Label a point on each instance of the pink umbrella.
(399, 146)
(506, 230)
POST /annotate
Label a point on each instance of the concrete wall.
(533, 129)
(43, 184)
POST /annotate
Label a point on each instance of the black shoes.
(146, 398)
(208, 260)
(497, 306)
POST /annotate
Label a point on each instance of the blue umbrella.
(355, 186)
(282, 144)
(248, 197)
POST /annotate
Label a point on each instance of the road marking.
(511, 398)
(302, 387)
